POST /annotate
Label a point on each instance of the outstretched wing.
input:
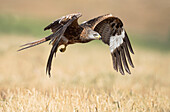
(58, 28)
(57, 24)
(64, 22)
(112, 32)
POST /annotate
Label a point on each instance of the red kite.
(107, 28)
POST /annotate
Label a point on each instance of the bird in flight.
(107, 28)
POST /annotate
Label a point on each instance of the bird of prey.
(107, 28)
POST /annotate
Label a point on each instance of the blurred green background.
(147, 22)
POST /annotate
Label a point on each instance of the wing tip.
(48, 69)
(46, 28)
(128, 71)
(122, 72)
(132, 51)
(48, 73)
(132, 65)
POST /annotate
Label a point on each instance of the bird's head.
(89, 34)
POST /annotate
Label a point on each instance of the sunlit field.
(82, 79)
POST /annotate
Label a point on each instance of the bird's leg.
(63, 49)
(65, 43)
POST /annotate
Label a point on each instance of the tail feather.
(31, 45)
(34, 43)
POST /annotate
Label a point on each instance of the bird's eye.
(95, 35)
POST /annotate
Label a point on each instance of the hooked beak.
(98, 37)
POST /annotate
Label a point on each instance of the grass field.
(82, 79)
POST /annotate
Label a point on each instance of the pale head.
(89, 34)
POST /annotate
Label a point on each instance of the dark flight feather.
(118, 59)
(128, 55)
(128, 43)
(56, 44)
(114, 61)
(54, 26)
(124, 59)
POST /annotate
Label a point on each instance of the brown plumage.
(66, 30)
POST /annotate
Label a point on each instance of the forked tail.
(34, 43)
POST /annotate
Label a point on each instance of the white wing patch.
(116, 41)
